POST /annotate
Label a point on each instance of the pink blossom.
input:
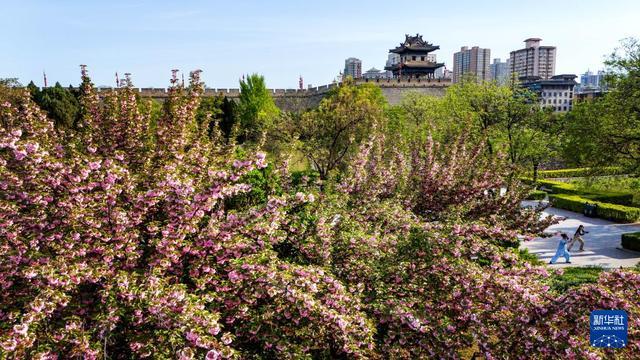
(226, 339)
(192, 336)
(213, 354)
(234, 276)
(9, 345)
(19, 154)
(21, 329)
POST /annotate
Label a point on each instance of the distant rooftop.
(562, 79)
(414, 44)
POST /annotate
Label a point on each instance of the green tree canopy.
(606, 131)
(256, 109)
(60, 103)
(9, 90)
(330, 134)
(219, 112)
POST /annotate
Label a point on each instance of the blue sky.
(285, 39)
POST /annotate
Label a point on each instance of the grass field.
(611, 184)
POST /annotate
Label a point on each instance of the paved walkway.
(602, 243)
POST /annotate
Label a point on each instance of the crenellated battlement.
(297, 99)
(235, 92)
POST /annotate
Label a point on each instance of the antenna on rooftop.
(44, 75)
(117, 80)
(301, 83)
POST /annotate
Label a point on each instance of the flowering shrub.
(443, 184)
(137, 237)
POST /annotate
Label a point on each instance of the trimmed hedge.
(558, 187)
(607, 211)
(536, 195)
(611, 197)
(631, 241)
(580, 172)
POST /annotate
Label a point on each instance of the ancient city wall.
(297, 100)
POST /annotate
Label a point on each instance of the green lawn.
(575, 276)
(611, 184)
(571, 277)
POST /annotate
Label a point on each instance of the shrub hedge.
(558, 187)
(607, 211)
(537, 195)
(579, 172)
(631, 241)
(611, 197)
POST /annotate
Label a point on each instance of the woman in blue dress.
(562, 250)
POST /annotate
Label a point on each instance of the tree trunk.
(535, 172)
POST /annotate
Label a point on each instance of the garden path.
(602, 243)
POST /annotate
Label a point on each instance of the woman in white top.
(578, 237)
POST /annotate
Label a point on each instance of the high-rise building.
(353, 68)
(499, 71)
(533, 61)
(590, 81)
(471, 61)
(393, 59)
(439, 72)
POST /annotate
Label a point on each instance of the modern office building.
(556, 92)
(393, 59)
(499, 71)
(590, 81)
(353, 68)
(411, 59)
(474, 61)
(533, 61)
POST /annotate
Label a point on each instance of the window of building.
(413, 58)
(421, 58)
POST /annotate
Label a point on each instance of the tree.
(502, 116)
(532, 134)
(61, 104)
(331, 133)
(10, 90)
(606, 131)
(219, 114)
(256, 109)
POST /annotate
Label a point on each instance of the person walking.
(577, 237)
(562, 250)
